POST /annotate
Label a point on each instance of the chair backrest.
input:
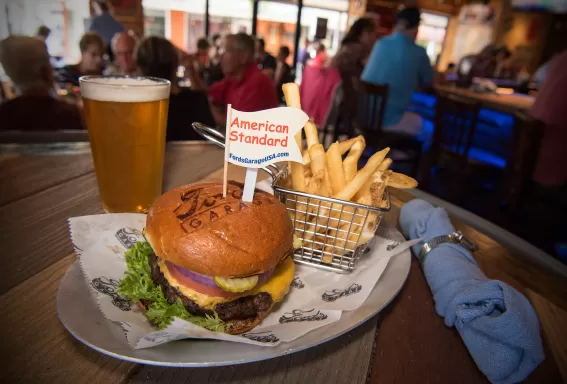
(524, 149)
(371, 107)
(455, 123)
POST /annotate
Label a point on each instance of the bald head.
(123, 47)
(238, 53)
(26, 61)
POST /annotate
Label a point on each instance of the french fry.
(291, 95)
(308, 179)
(311, 134)
(362, 176)
(303, 212)
(335, 168)
(307, 173)
(362, 231)
(316, 184)
(376, 176)
(318, 162)
(385, 165)
(350, 164)
(377, 190)
(345, 146)
(292, 99)
(401, 181)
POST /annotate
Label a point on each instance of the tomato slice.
(191, 284)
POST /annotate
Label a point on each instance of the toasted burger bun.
(195, 228)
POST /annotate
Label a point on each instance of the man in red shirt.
(245, 86)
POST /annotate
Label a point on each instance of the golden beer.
(126, 119)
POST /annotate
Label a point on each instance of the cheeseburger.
(219, 263)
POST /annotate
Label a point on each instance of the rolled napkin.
(497, 323)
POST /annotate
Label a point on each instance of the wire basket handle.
(218, 138)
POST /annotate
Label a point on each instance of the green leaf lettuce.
(137, 285)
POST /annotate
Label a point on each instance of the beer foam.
(124, 89)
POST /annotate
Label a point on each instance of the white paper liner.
(316, 298)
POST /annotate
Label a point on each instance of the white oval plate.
(82, 318)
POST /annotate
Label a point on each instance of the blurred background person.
(283, 72)
(484, 63)
(26, 61)
(551, 107)
(43, 32)
(303, 56)
(398, 61)
(266, 62)
(244, 85)
(213, 72)
(105, 24)
(123, 46)
(541, 74)
(203, 48)
(202, 59)
(157, 57)
(214, 50)
(503, 68)
(321, 58)
(91, 46)
(450, 73)
(349, 61)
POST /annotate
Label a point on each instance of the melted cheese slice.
(277, 286)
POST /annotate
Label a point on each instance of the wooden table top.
(504, 103)
(407, 342)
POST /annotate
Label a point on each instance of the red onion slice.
(209, 280)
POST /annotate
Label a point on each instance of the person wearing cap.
(397, 61)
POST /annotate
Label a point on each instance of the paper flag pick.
(258, 139)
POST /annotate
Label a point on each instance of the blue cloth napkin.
(497, 323)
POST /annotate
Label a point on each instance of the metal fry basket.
(333, 233)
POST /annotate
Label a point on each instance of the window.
(431, 34)
(154, 23)
(227, 17)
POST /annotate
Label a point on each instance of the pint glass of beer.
(126, 118)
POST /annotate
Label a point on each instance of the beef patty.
(240, 309)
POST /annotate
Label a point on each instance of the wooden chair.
(455, 123)
(368, 116)
(369, 121)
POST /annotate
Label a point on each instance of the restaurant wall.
(276, 34)
(526, 37)
(67, 20)
(178, 29)
(356, 9)
(447, 54)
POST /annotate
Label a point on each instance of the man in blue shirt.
(397, 61)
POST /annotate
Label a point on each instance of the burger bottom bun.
(235, 327)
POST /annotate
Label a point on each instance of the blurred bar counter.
(495, 119)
